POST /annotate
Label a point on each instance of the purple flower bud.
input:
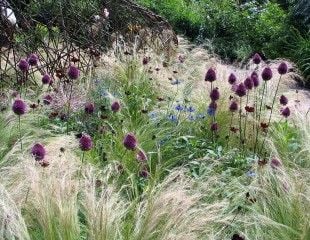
(215, 94)
(89, 108)
(210, 75)
(241, 90)
(38, 152)
(275, 163)
(248, 83)
(115, 106)
(232, 78)
(233, 106)
(33, 59)
(286, 112)
(255, 81)
(85, 142)
(47, 99)
(214, 127)
(283, 100)
(267, 74)
(19, 107)
(213, 106)
(282, 69)
(46, 79)
(256, 58)
(144, 173)
(23, 65)
(130, 141)
(73, 72)
(141, 156)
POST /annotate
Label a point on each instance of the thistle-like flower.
(241, 90)
(33, 60)
(46, 79)
(23, 65)
(130, 141)
(267, 74)
(85, 143)
(38, 152)
(210, 75)
(282, 69)
(73, 72)
(232, 79)
(19, 107)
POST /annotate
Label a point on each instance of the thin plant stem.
(246, 116)
(20, 134)
(69, 105)
(230, 126)
(240, 122)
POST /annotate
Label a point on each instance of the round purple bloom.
(33, 59)
(233, 106)
(141, 156)
(255, 80)
(89, 108)
(23, 65)
(275, 163)
(46, 79)
(282, 69)
(38, 152)
(115, 106)
(232, 78)
(210, 75)
(254, 74)
(214, 127)
(256, 58)
(215, 94)
(19, 107)
(85, 142)
(241, 90)
(73, 72)
(286, 112)
(267, 74)
(248, 83)
(130, 141)
(47, 99)
(283, 100)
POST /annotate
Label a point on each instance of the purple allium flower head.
(210, 75)
(232, 78)
(47, 99)
(286, 112)
(255, 81)
(23, 65)
(89, 108)
(248, 83)
(282, 69)
(267, 74)
(130, 141)
(144, 173)
(33, 60)
(19, 107)
(214, 127)
(46, 79)
(213, 105)
(233, 106)
(38, 152)
(256, 58)
(215, 94)
(115, 106)
(254, 74)
(85, 142)
(275, 163)
(241, 90)
(73, 72)
(283, 100)
(141, 156)
(145, 60)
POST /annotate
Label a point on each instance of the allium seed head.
(282, 69)
(233, 106)
(286, 112)
(241, 90)
(85, 142)
(215, 94)
(210, 75)
(89, 108)
(232, 78)
(256, 58)
(38, 152)
(130, 141)
(115, 106)
(33, 60)
(46, 79)
(267, 74)
(248, 83)
(73, 72)
(23, 65)
(19, 107)
(283, 100)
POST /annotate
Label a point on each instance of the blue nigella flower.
(211, 111)
(176, 82)
(173, 118)
(179, 107)
(190, 109)
(251, 174)
(191, 118)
